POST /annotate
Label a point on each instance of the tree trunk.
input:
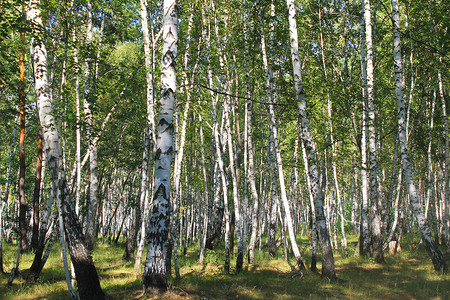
(375, 224)
(313, 215)
(38, 261)
(328, 269)
(37, 194)
(86, 274)
(364, 245)
(155, 276)
(249, 141)
(433, 250)
(23, 202)
(206, 195)
(93, 164)
(78, 130)
(446, 201)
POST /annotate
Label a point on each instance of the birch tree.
(364, 246)
(328, 269)
(86, 274)
(375, 224)
(433, 250)
(149, 139)
(155, 272)
(93, 163)
(249, 141)
(22, 164)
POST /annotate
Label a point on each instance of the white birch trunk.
(249, 141)
(237, 210)
(364, 244)
(78, 129)
(433, 250)
(313, 215)
(93, 164)
(375, 226)
(328, 268)
(149, 137)
(430, 191)
(155, 276)
(86, 274)
(224, 182)
(206, 197)
(446, 199)
(219, 141)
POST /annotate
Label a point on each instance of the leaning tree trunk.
(433, 250)
(328, 268)
(155, 275)
(277, 161)
(86, 274)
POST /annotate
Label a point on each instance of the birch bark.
(277, 161)
(206, 197)
(433, 250)
(446, 201)
(328, 269)
(155, 276)
(237, 210)
(149, 133)
(86, 274)
(93, 163)
(375, 223)
(205, 181)
(149, 141)
(22, 166)
(249, 141)
(364, 245)
(215, 203)
(78, 129)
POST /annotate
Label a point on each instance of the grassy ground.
(408, 275)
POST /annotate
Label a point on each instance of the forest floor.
(406, 275)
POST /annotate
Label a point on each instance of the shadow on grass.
(259, 284)
(407, 275)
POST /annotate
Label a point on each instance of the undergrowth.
(409, 275)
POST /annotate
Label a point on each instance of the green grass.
(407, 275)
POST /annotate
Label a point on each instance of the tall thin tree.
(86, 274)
(328, 269)
(155, 275)
(433, 250)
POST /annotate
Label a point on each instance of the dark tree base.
(154, 284)
(88, 282)
(36, 268)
